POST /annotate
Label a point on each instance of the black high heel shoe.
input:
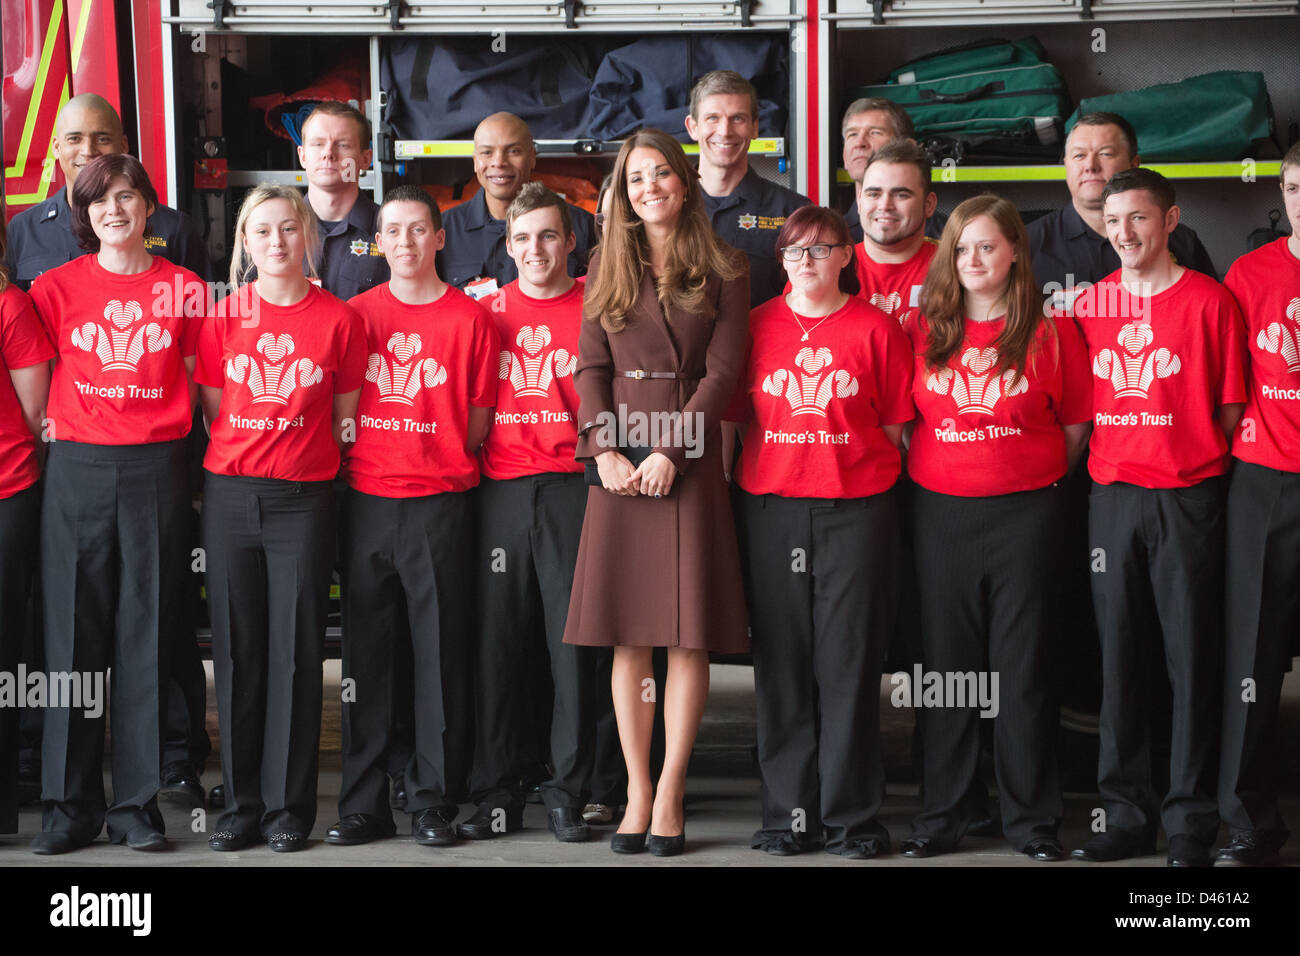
(667, 846)
(629, 842)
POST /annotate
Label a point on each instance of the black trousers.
(405, 570)
(526, 533)
(113, 557)
(1262, 613)
(820, 577)
(19, 525)
(988, 573)
(269, 546)
(1157, 589)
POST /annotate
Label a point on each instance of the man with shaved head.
(40, 238)
(475, 257)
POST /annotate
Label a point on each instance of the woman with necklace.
(825, 396)
(660, 351)
(1003, 398)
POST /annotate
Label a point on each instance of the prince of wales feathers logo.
(972, 387)
(121, 343)
(1132, 370)
(810, 387)
(532, 371)
(271, 380)
(1283, 338)
(400, 380)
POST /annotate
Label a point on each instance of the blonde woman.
(663, 341)
(280, 368)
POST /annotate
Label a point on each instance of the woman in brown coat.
(662, 345)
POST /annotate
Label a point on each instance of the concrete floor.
(722, 808)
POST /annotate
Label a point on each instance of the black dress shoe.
(783, 844)
(233, 840)
(862, 849)
(488, 822)
(1249, 849)
(567, 825)
(54, 842)
(1115, 845)
(1186, 851)
(358, 828)
(144, 837)
(1044, 849)
(922, 847)
(180, 785)
(217, 797)
(628, 842)
(285, 842)
(431, 828)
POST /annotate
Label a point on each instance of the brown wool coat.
(666, 572)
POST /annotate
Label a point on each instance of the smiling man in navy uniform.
(747, 211)
(474, 258)
(335, 150)
(40, 238)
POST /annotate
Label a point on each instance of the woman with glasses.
(660, 351)
(826, 393)
(1003, 397)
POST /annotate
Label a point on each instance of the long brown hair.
(942, 298)
(694, 252)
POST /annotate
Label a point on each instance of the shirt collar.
(477, 215)
(748, 190)
(1075, 227)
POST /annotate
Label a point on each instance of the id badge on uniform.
(480, 288)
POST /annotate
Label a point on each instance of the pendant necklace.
(807, 332)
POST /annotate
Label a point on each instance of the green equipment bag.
(991, 99)
(1215, 116)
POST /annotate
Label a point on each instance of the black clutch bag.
(633, 453)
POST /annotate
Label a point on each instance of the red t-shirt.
(278, 374)
(22, 345)
(428, 364)
(1266, 283)
(121, 340)
(535, 427)
(980, 432)
(1162, 365)
(894, 287)
(818, 405)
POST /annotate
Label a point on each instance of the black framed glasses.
(821, 250)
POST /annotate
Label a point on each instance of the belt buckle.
(640, 374)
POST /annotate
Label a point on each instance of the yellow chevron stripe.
(47, 167)
(81, 34)
(38, 92)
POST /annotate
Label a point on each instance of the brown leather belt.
(642, 373)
